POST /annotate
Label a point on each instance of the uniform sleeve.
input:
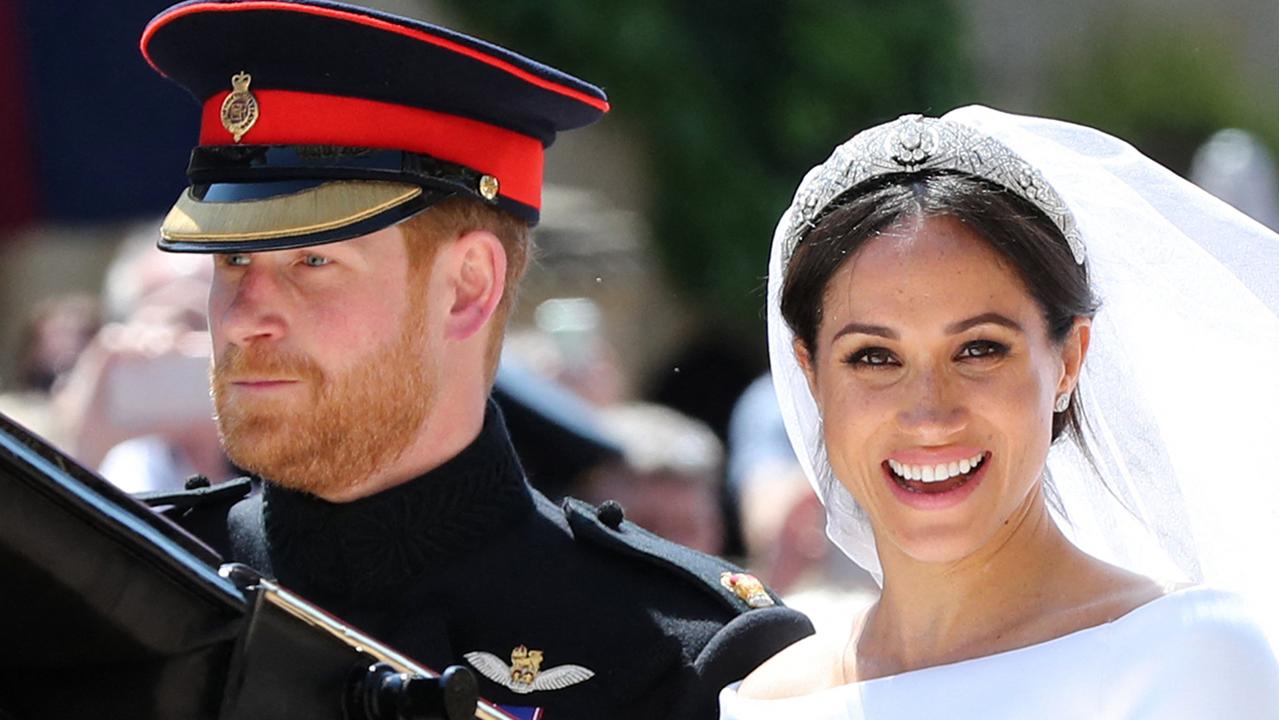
(1208, 660)
(745, 642)
(740, 646)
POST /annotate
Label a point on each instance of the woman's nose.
(932, 407)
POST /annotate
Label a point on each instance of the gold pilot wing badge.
(240, 108)
(525, 674)
(747, 587)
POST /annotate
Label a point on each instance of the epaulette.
(607, 527)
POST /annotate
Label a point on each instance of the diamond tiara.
(913, 143)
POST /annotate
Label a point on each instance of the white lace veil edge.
(1180, 387)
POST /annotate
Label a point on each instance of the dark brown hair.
(1022, 234)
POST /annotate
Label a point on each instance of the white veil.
(1181, 384)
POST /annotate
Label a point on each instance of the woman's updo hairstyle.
(1021, 233)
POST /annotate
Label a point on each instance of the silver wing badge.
(524, 675)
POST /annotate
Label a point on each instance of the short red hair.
(448, 220)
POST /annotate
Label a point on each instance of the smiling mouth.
(935, 479)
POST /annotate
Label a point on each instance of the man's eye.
(237, 260)
(982, 349)
(873, 357)
(316, 260)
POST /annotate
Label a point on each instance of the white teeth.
(935, 473)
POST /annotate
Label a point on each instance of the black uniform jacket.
(570, 609)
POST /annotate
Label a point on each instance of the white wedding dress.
(1192, 654)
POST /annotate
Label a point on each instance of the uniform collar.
(377, 543)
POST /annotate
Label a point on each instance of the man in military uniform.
(366, 184)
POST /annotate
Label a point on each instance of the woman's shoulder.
(807, 666)
(1196, 614)
(1196, 652)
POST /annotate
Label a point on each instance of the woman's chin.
(936, 545)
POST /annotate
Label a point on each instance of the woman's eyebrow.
(952, 329)
(864, 329)
(990, 317)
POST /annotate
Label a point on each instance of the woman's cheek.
(851, 416)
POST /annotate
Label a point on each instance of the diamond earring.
(1063, 402)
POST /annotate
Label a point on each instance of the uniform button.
(195, 482)
(610, 513)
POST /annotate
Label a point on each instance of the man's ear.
(477, 280)
(1073, 351)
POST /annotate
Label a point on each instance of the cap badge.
(524, 675)
(748, 588)
(240, 109)
(488, 187)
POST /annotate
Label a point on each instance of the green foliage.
(1164, 86)
(735, 101)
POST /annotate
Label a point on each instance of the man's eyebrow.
(993, 318)
(865, 329)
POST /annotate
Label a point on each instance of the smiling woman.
(935, 337)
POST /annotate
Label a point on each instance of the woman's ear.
(1073, 351)
(477, 279)
(805, 360)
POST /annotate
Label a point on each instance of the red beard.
(346, 429)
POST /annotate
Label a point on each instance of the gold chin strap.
(329, 206)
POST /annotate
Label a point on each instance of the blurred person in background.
(566, 345)
(668, 478)
(136, 404)
(1236, 166)
(588, 363)
(53, 336)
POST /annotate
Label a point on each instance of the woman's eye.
(872, 357)
(982, 349)
(316, 260)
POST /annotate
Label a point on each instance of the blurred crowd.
(120, 382)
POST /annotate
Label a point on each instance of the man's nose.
(255, 311)
(932, 407)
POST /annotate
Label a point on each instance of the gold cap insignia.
(488, 187)
(240, 108)
(525, 675)
(747, 587)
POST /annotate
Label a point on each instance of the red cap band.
(287, 117)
